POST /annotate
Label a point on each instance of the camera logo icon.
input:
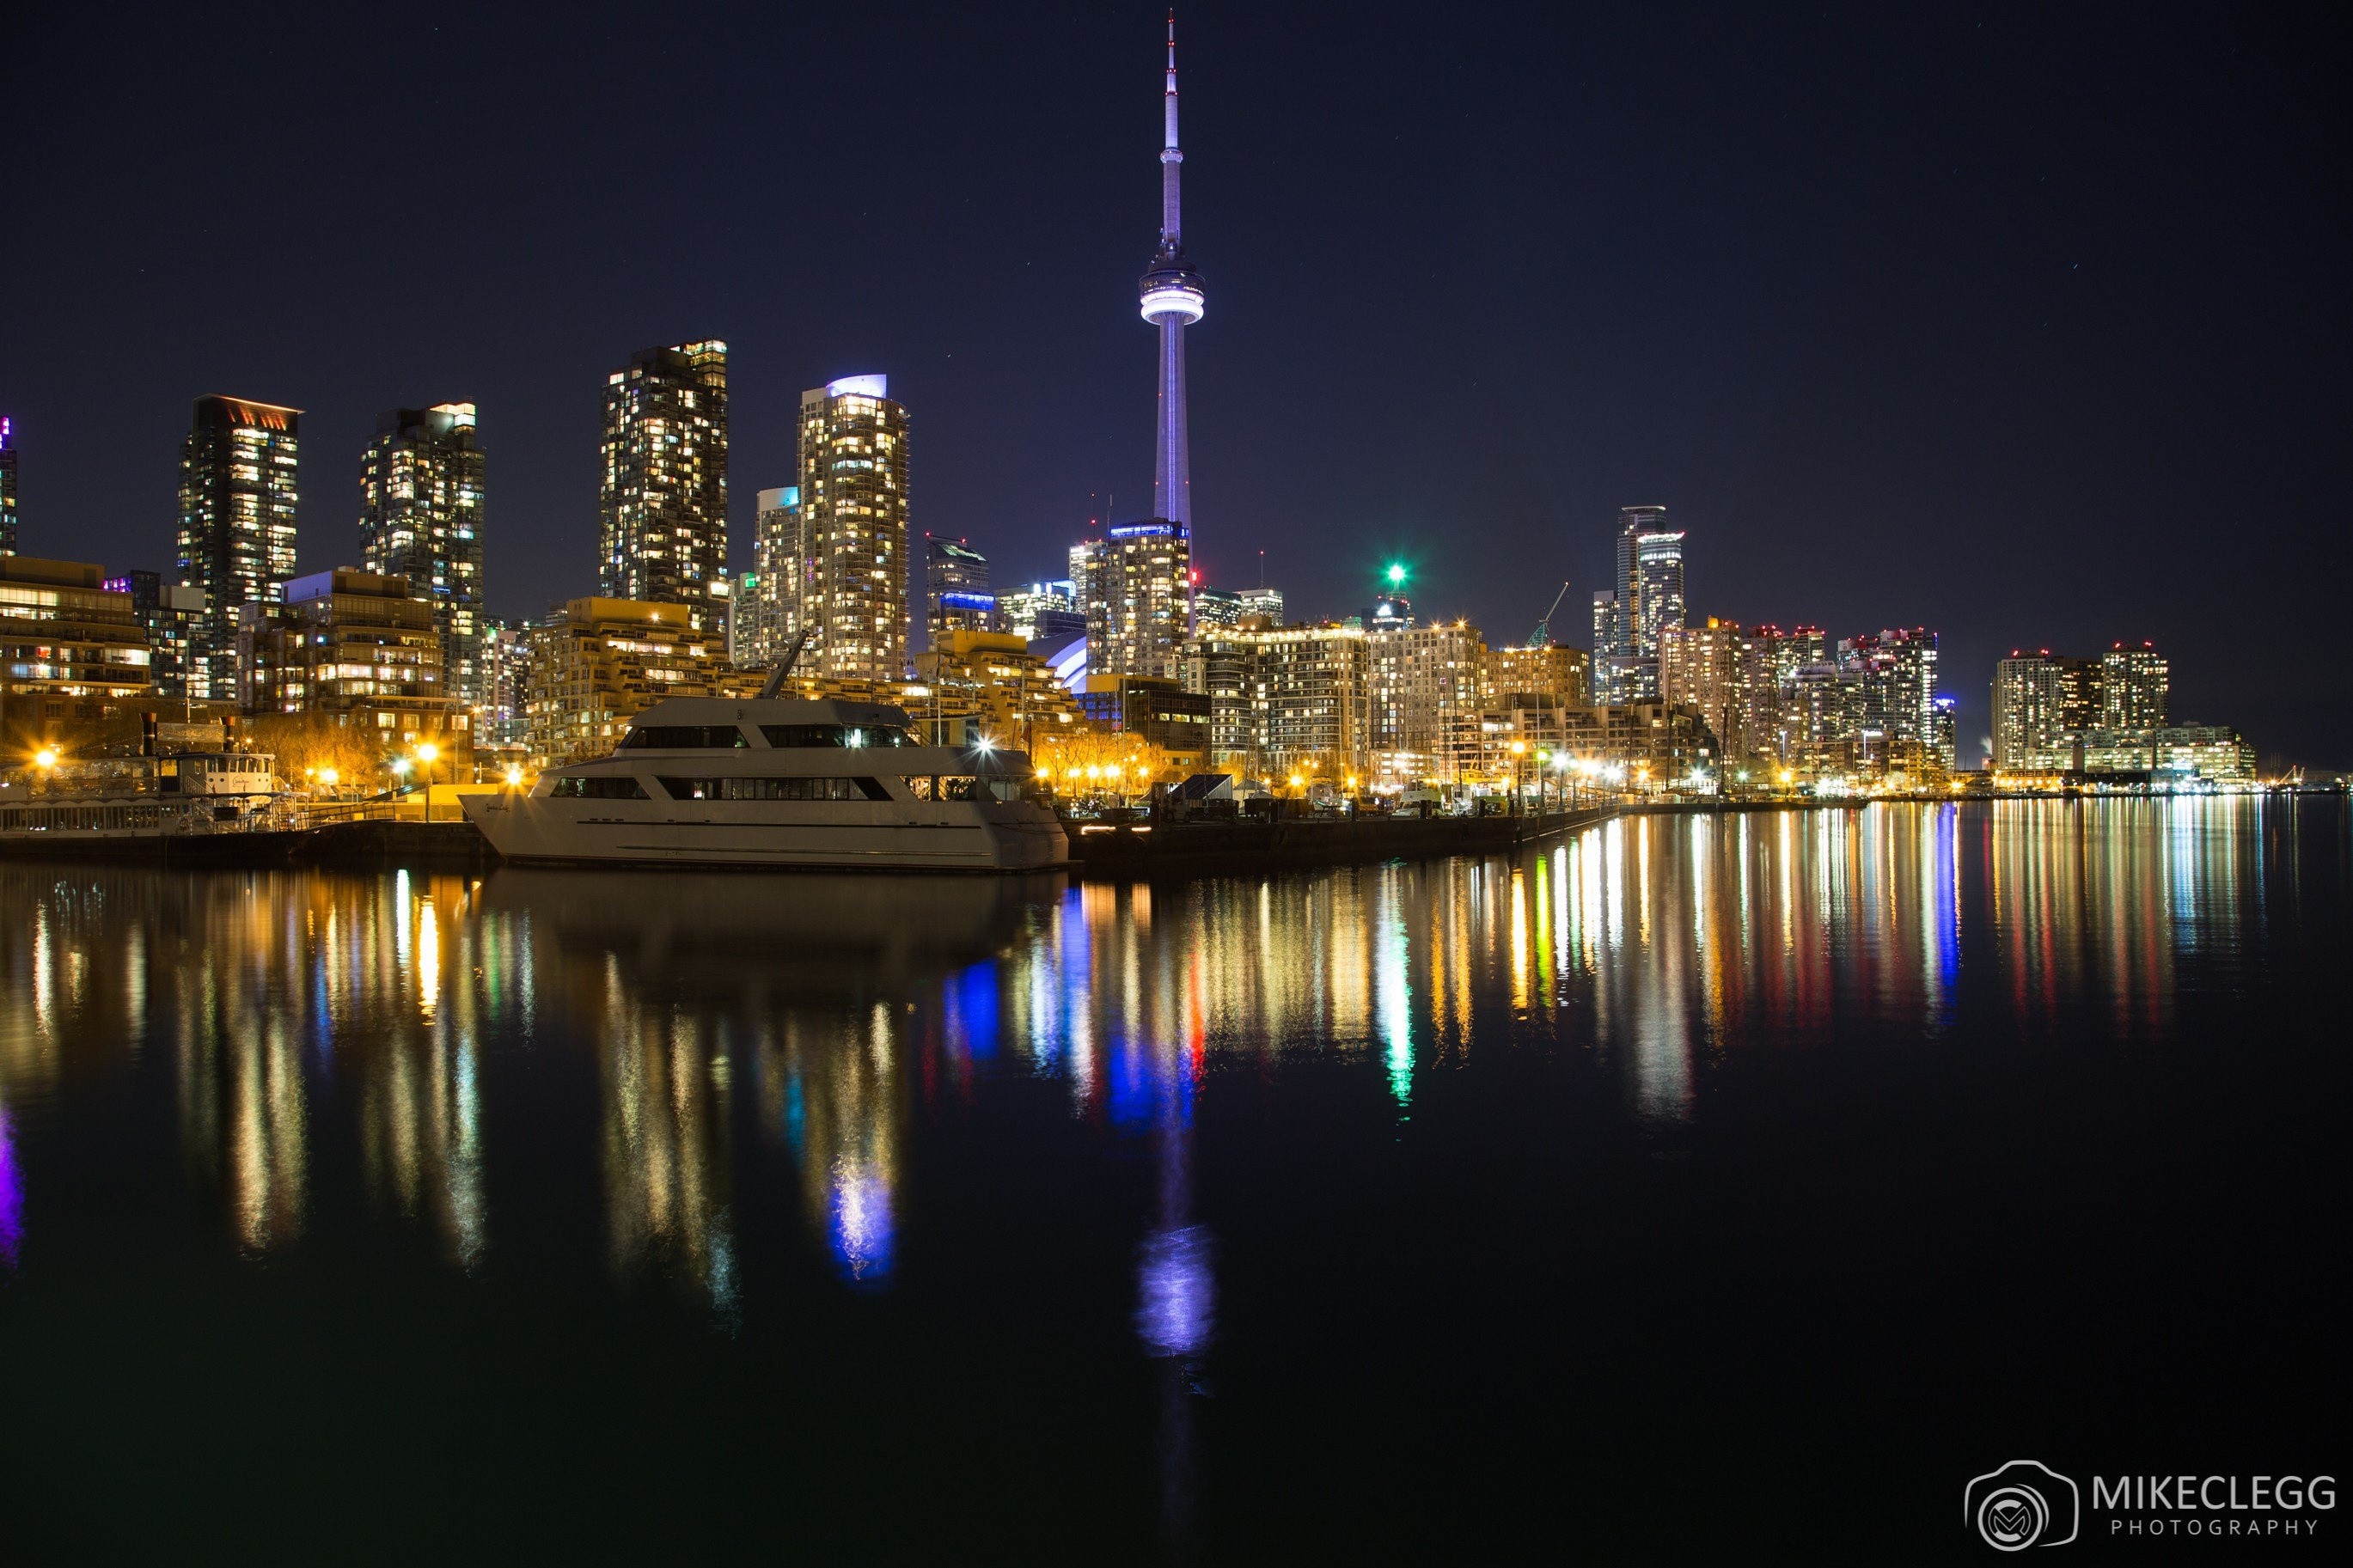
(2024, 1503)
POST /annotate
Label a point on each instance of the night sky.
(2031, 328)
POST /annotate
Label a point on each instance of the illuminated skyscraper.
(1708, 666)
(2134, 683)
(662, 502)
(1172, 301)
(421, 519)
(1042, 610)
(1216, 608)
(1647, 598)
(768, 601)
(1897, 671)
(8, 487)
(853, 459)
(955, 589)
(2043, 704)
(236, 525)
(1138, 583)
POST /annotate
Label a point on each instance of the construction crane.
(1542, 635)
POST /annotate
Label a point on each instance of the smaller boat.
(204, 805)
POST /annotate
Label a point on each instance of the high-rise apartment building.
(1042, 610)
(662, 498)
(1772, 727)
(8, 486)
(1647, 598)
(955, 589)
(2135, 685)
(421, 499)
(1708, 666)
(767, 600)
(236, 524)
(1263, 604)
(853, 497)
(1138, 580)
(1217, 607)
(1427, 686)
(1895, 672)
(1284, 701)
(2041, 703)
(170, 617)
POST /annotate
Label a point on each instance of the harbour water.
(1614, 1194)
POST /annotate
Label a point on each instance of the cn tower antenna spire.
(1173, 299)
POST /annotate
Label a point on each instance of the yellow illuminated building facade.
(848, 582)
(602, 660)
(71, 651)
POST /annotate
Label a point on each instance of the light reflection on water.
(315, 1026)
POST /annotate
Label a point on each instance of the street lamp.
(46, 758)
(428, 753)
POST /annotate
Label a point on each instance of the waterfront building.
(662, 498)
(1172, 296)
(238, 496)
(362, 647)
(1943, 735)
(972, 686)
(1554, 669)
(1516, 733)
(2212, 754)
(1654, 741)
(1139, 584)
(1286, 699)
(1894, 676)
(1824, 729)
(601, 660)
(73, 653)
(2041, 702)
(421, 501)
(1158, 709)
(1772, 727)
(1429, 687)
(1043, 611)
(955, 589)
(1709, 667)
(8, 486)
(2135, 684)
(853, 497)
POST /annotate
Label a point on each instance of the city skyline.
(1843, 525)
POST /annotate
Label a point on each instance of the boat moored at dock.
(780, 782)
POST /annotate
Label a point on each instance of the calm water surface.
(1610, 1194)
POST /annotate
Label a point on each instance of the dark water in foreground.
(1744, 1182)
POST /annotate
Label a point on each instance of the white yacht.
(708, 781)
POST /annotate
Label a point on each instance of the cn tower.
(1172, 294)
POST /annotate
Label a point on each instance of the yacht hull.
(957, 836)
